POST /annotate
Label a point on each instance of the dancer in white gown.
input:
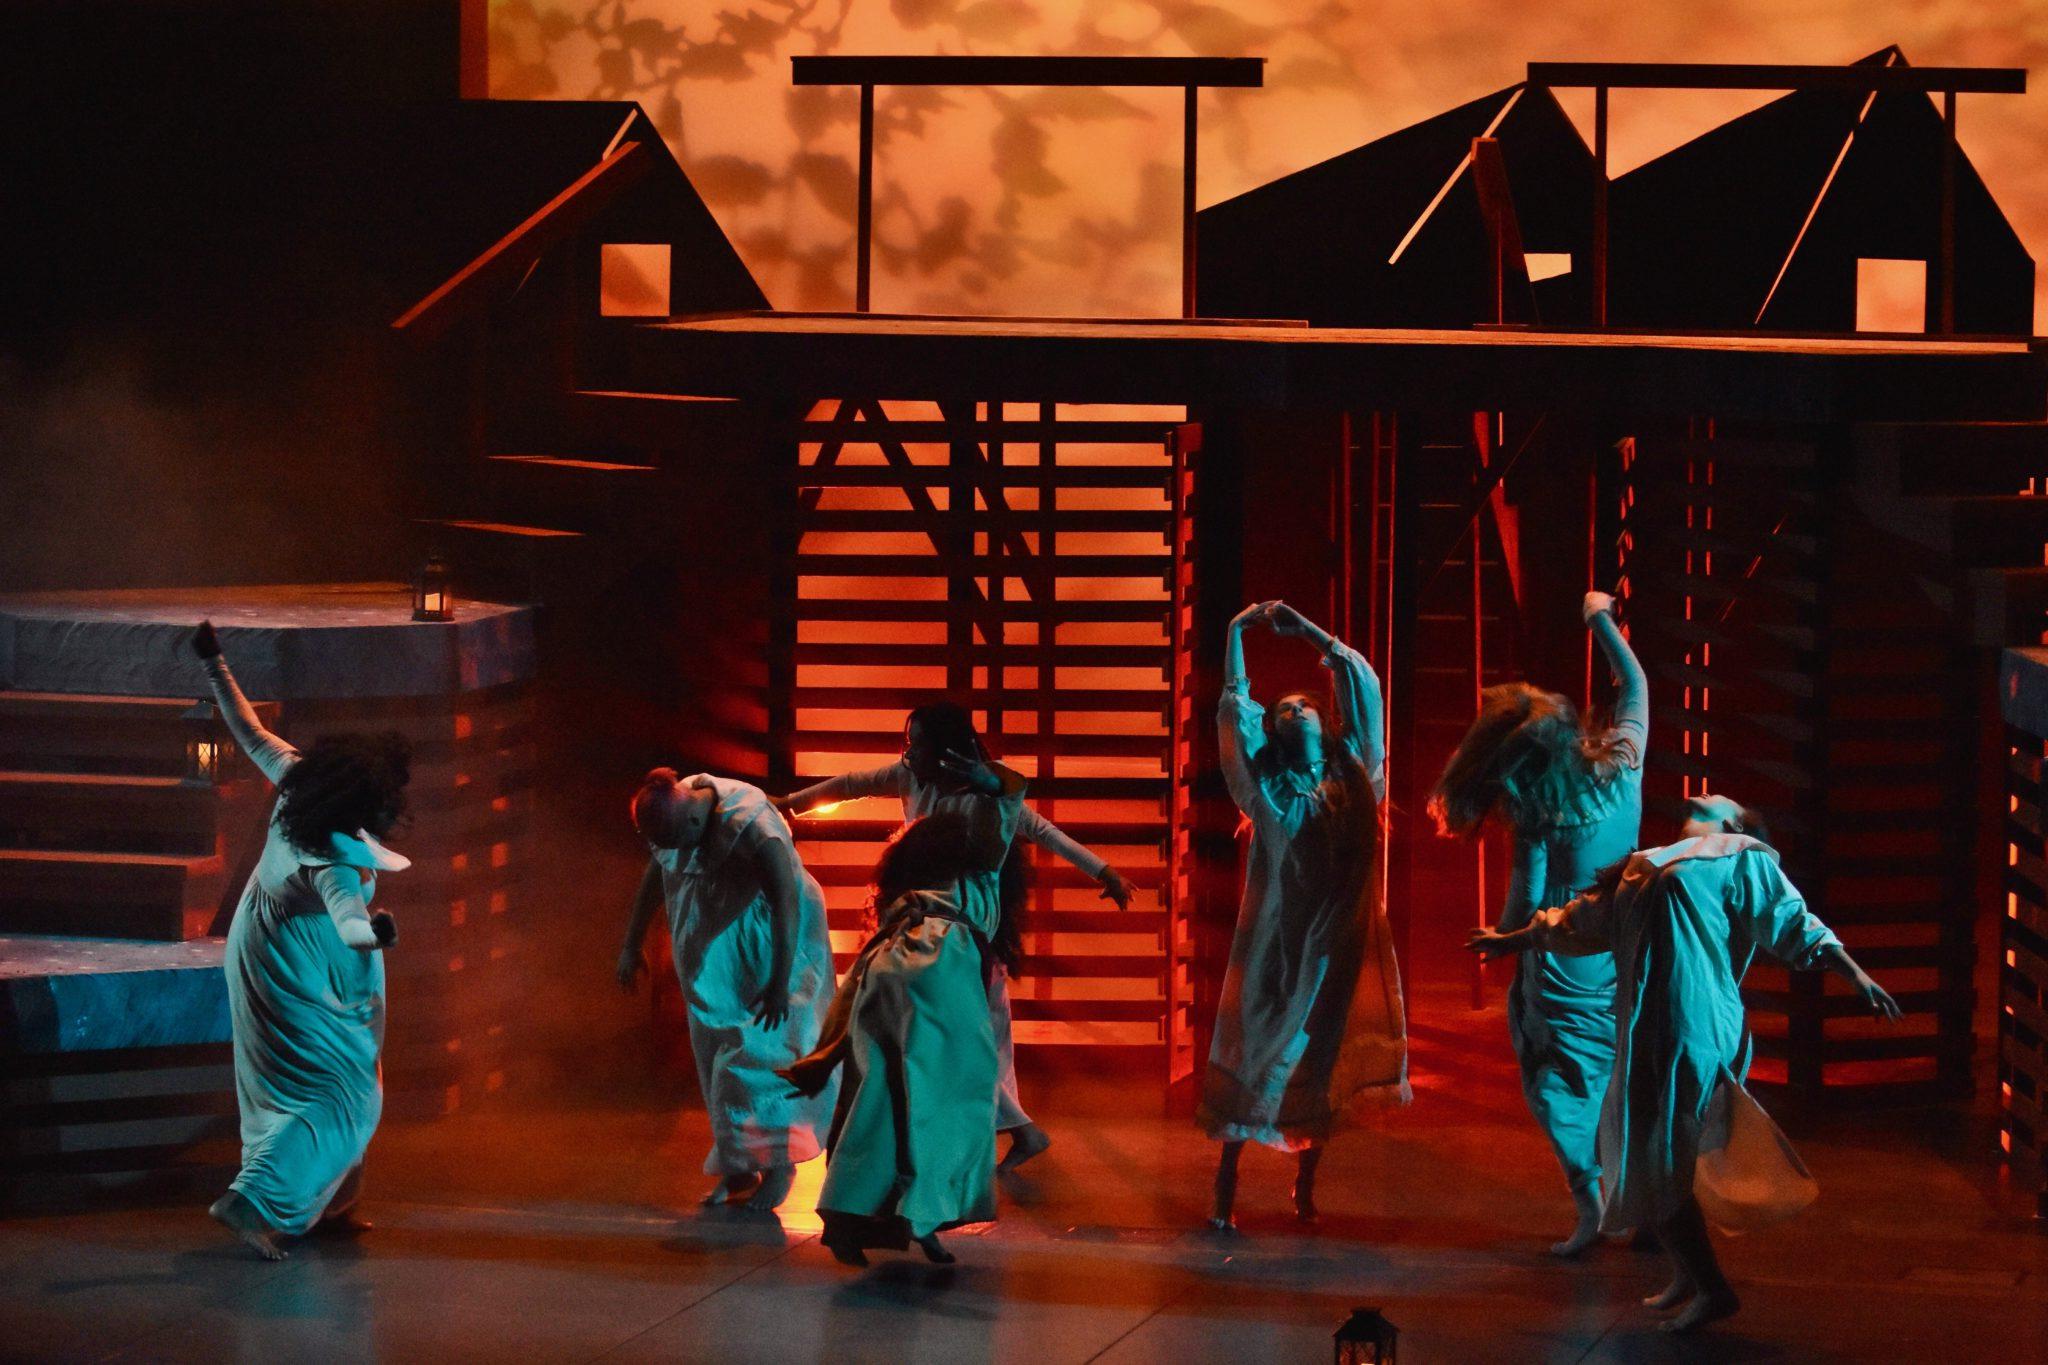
(754, 957)
(1684, 922)
(922, 782)
(1310, 1027)
(305, 973)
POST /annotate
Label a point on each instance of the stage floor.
(553, 1232)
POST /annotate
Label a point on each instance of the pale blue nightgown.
(307, 1009)
(1683, 923)
(721, 927)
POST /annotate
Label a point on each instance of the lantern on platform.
(1366, 1338)
(432, 598)
(205, 746)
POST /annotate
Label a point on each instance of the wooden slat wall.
(1841, 714)
(2023, 970)
(1020, 558)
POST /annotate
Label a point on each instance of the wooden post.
(864, 207)
(1600, 206)
(1946, 267)
(1187, 205)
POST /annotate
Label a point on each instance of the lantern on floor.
(205, 745)
(1366, 1338)
(432, 599)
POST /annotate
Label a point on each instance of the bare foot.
(774, 1187)
(235, 1214)
(1224, 1226)
(1671, 1295)
(733, 1189)
(935, 1251)
(1705, 1308)
(1028, 1143)
(1583, 1236)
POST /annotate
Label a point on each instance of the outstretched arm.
(645, 902)
(1577, 929)
(1632, 696)
(272, 756)
(882, 781)
(1359, 704)
(1052, 838)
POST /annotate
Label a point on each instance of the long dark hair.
(344, 783)
(925, 855)
(945, 725)
(1526, 760)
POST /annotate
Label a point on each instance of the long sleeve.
(272, 756)
(1240, 735)
(992, 820)
(1579, 928)
(1763, 902)
(1362, 710)
(346, 894)
(1050, 837)
(883, 781)
(1632, 696)
(1526, 872)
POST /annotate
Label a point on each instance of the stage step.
(63, 732)
(575, 494)
(512, 561)
(619, 421)
(110, 812)
(80, 892)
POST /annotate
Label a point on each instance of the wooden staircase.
(108, 825)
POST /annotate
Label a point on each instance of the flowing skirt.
(914, 1148)
(1561, 1021)
(308, 1014)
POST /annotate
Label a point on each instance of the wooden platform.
(1826, 379)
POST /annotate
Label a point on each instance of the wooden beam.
(505, 261)
(1239, 72)
(1986, 80)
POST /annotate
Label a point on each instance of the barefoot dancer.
(921, 782)
(1573, 802)
(304, 974)
(913, 1145)
(1310, 1022)
(1684, 923)
(747, 924)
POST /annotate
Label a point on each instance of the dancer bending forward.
(913, 1144)
(1684, 923)
(747, 924)
(1310, 1023)
(304, 974)
(922, 782)
(1573, 803)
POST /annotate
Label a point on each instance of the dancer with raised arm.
(921, 781)
(1310, 1024)
(1683, 923)
(1571, 800)
(754, 957)
(305, 973)
(913, 1146)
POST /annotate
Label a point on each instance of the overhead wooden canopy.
(1982, 80)
(1242, 72)
(1826, 379)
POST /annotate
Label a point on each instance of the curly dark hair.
(1526, 760)
(345, 783)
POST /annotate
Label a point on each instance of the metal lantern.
(1366, 1338)
(206, 747)
(432, 596)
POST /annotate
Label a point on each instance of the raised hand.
(1285, 620)
(204, 642)
(1251, 615)
(1596, 603)
(1115, 888)
(773, 1007)
(971, 771)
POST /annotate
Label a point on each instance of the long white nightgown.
(721, 928)
(1684, 922)
(307, 1009)
(1310, 1024)
(921, 799)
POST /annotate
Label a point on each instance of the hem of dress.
(1294, 1137)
